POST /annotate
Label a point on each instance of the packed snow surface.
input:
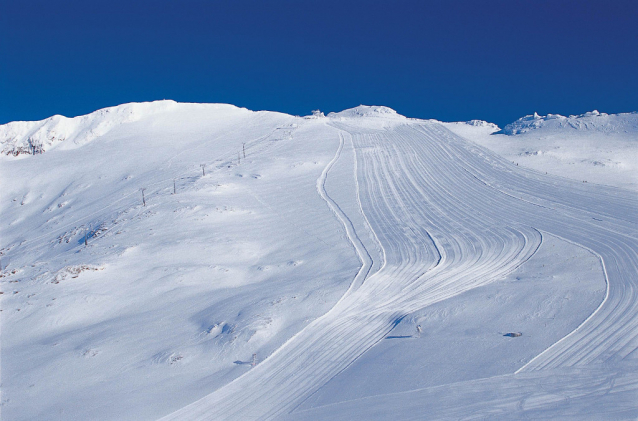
(206, 262)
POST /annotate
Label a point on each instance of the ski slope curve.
(601, 219)
(435, 244)
(450, 216)
(600, 351)
(427, 214)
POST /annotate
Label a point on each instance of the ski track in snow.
(450, 216)
(447, 216)
(363, 254)
(610, 332)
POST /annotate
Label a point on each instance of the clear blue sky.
(444, 59)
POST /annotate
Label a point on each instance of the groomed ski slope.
(448, 216)
(310, 242)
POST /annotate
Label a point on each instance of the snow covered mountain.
(593, 121)
(205, 262)
(592, 147)
(33, 137)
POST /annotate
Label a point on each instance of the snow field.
(187, 288)
(321, 251)
(593, 147)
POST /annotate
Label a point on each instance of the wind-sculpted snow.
(35, 137)
(591, 121)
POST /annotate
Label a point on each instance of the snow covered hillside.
(207, 262)
(34, 137)
(592, 147)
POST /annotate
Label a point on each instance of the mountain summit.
(367, 111)
(591, 121)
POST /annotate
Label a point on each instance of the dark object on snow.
(513, 334)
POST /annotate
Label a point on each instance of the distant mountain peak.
(482, 123)
(35, 137)
(589, 121)
(367, 111)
